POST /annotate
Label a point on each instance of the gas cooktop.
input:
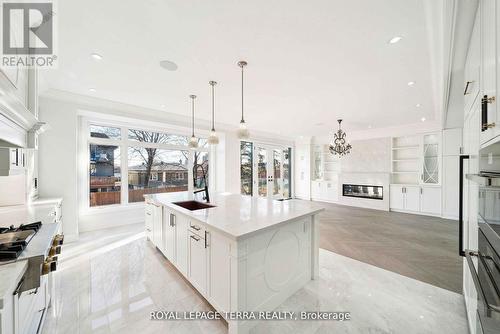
(13, 240)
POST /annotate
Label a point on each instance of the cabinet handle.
(490, 125)
(195, 227)
(149, 214)
(172, 220)
(206, 239)
(421, 191)
(467, 87)
(195, 238)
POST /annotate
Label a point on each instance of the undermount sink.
(193, 205)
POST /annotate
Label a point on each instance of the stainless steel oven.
(484, 263)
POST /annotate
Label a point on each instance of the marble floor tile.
(109, 282)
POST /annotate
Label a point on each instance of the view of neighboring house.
(162, 174)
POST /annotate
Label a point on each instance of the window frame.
(124, 143)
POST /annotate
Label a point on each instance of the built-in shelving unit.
(405, 164)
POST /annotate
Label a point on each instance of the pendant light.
(213, 139)
(242, 132)
(193, 142)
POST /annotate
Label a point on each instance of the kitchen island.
(243, 254)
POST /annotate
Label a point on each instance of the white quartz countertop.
(39, 210)
(10, 274)
(239, 216)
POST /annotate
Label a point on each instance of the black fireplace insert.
(363, 191)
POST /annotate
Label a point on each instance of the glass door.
(272, 171)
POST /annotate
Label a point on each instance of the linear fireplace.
(363, 191)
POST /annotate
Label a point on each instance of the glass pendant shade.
(243, 132)
(193, 142)
(213, 139)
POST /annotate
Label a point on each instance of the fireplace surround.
(363, 191)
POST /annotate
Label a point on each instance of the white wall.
(368, 156)
(57, 160)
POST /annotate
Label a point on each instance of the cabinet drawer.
(197, 228)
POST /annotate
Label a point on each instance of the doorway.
(272, 171)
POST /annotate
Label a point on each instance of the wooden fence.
(134, 195)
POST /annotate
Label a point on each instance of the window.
(97, 131)
(246, 170)
(105, 175)
(152, 170)
(154, 162)
(287, 173)
(200, 170)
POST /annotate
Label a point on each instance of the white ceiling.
(309, 62)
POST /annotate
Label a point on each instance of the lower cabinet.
(219, 260)
(197, 262)
(325, 191)
(201, 255)
(182, 243)
(169, 235)
(416, 199)
(430, 200)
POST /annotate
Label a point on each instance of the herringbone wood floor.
(421, 247)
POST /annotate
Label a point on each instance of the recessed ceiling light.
(168, 65)
(411, 83)
(92, 90)
(96, 56)
(369, 126)
(162, 106)
(423, 119)
(418, 105)
(395, 39)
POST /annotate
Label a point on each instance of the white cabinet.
(149, 220)
(169, 235)
(412, 198)
(430, 200)
(404, 198)
(303, 170)
(157, 226)
(488, 63)
(397, 197)
(197, 262)
(472, 68)
(181, 224)
(450, 186)
(325, 190)
(415, 199)
(452, 142)
(219, 271)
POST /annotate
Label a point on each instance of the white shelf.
(405, 160)
(405, 147)
(406, 172)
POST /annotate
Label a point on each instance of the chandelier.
(339, 145)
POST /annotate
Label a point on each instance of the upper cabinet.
(417, 159)
(482, 67)
(472, 69)
(18, 107)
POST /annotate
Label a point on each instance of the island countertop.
(239, 216)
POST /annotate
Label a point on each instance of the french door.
(271, 171)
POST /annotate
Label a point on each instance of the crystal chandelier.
(339, 145)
